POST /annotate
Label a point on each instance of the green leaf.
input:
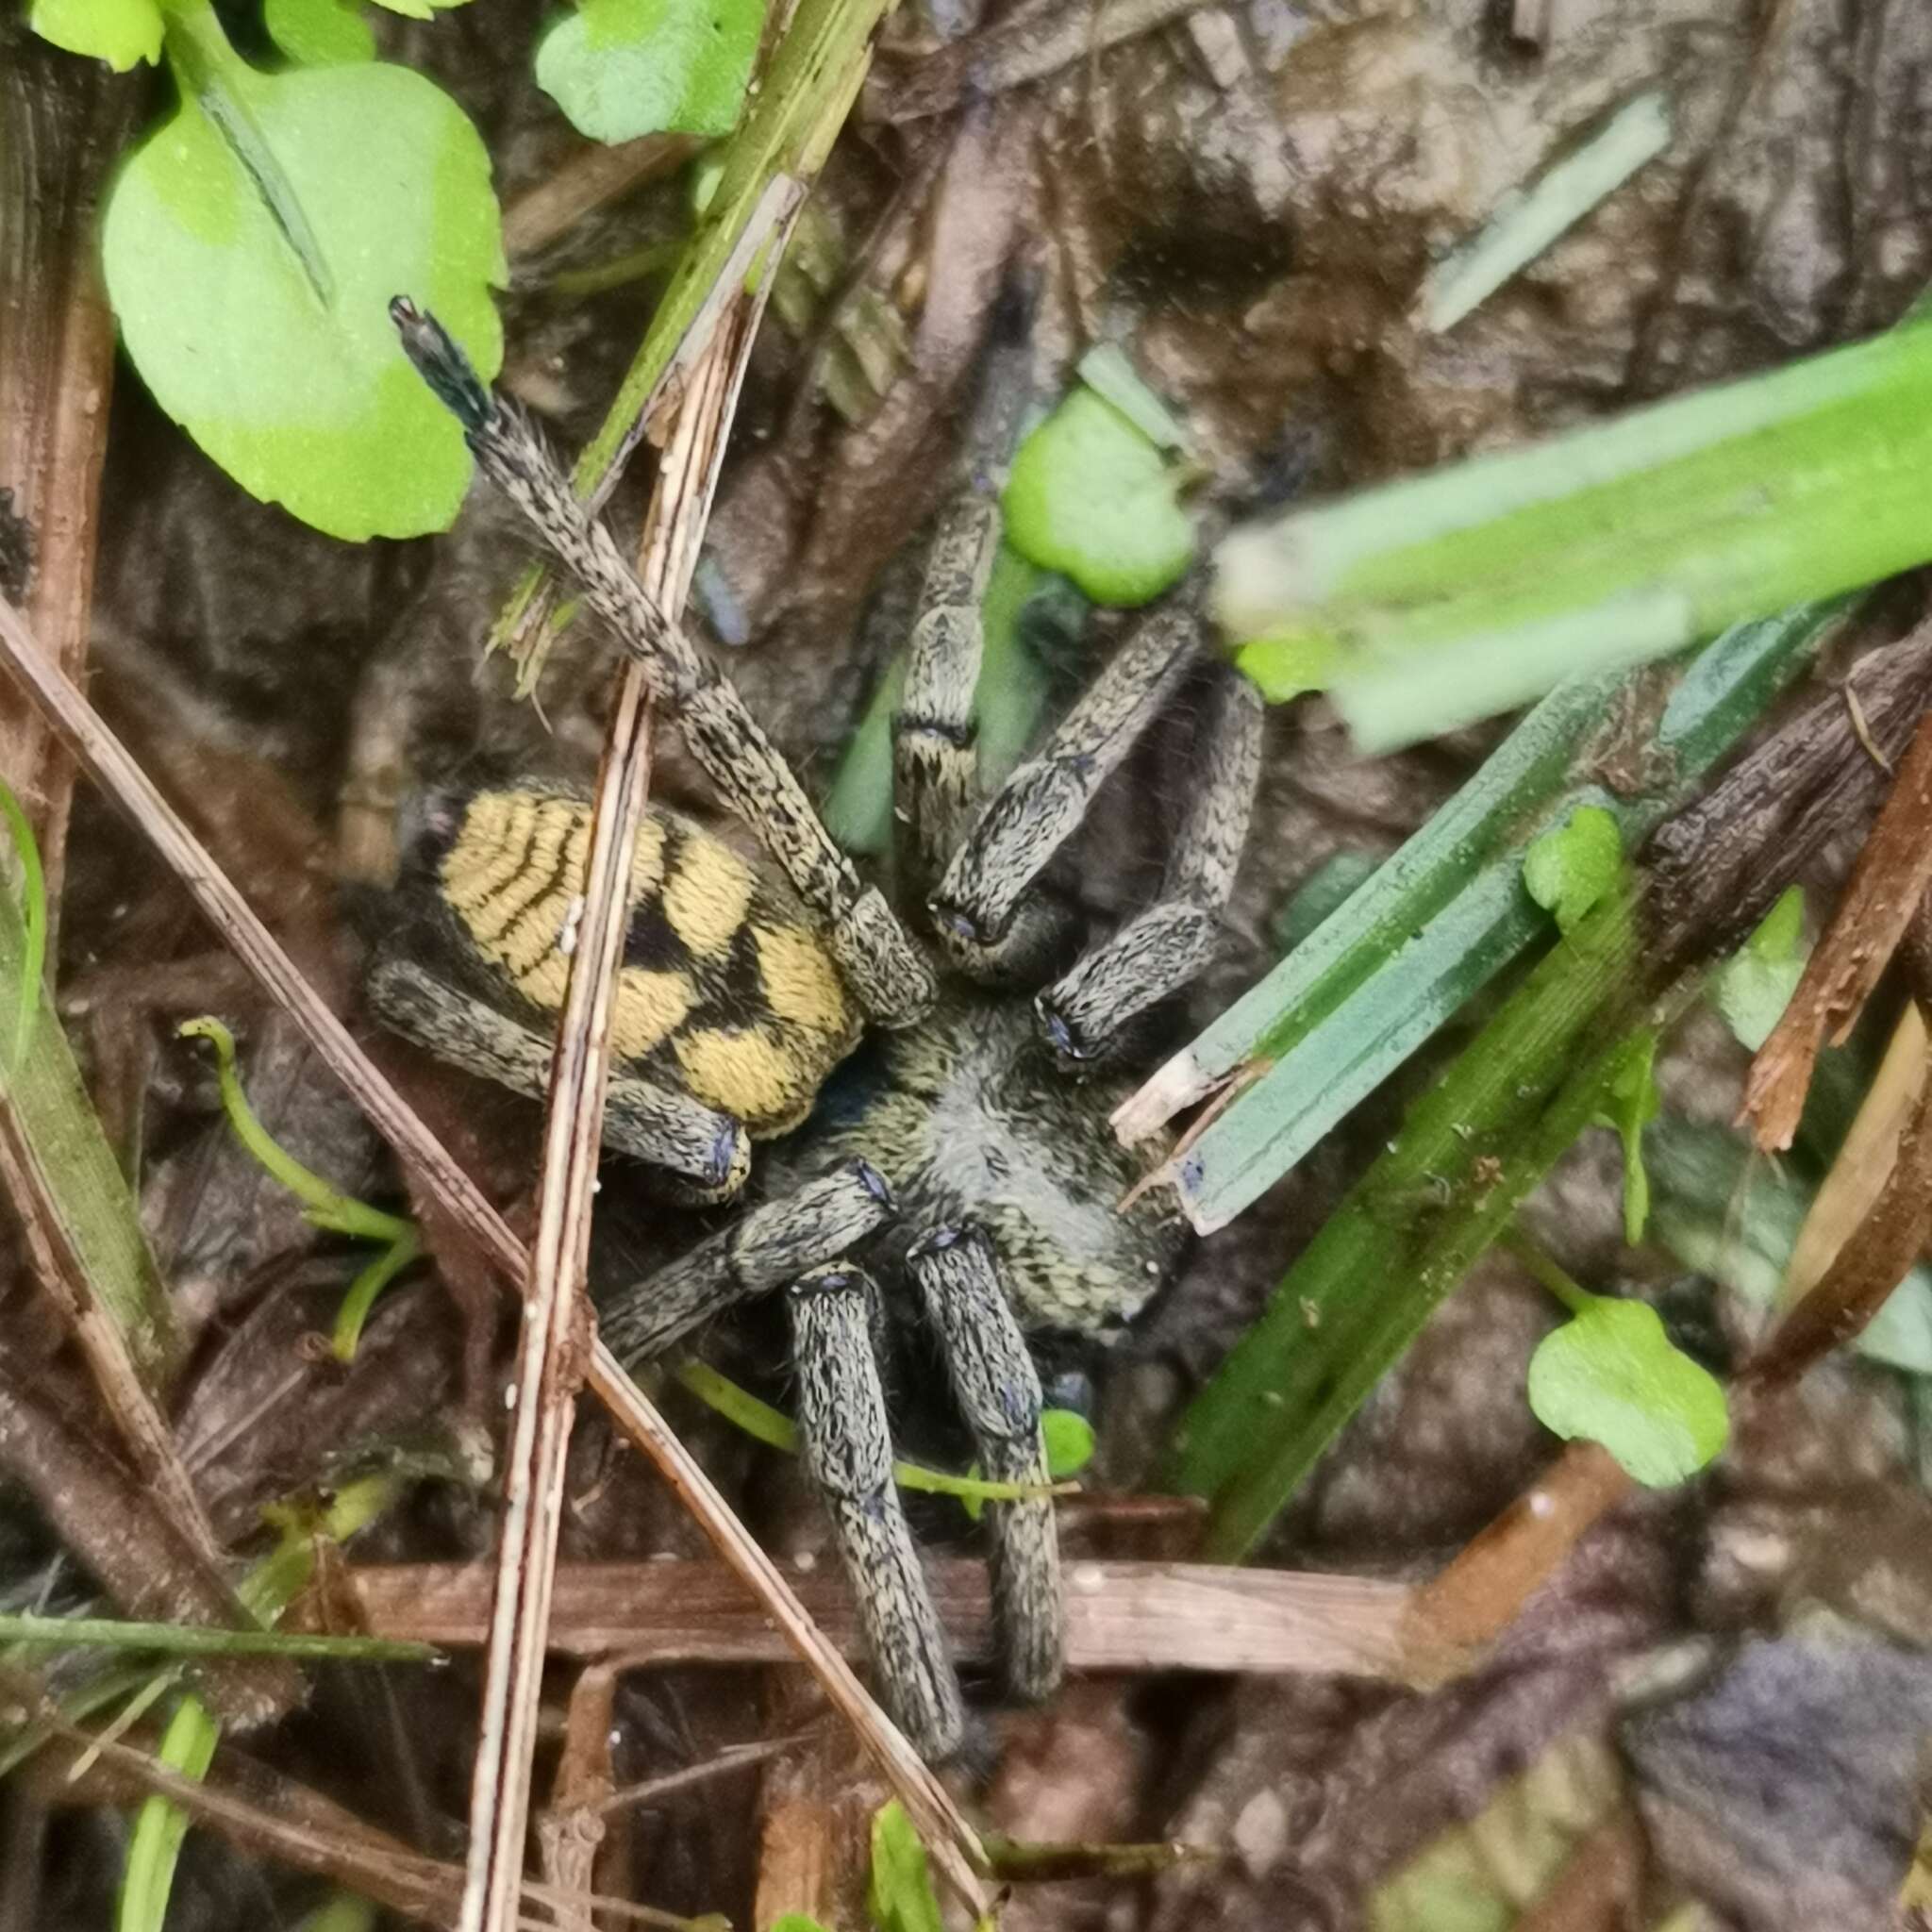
(795, 1921)
(1572, 865)
(1091, 496)
(1634, 1103)
(188, 1747)
(320, 33)
(1610, 1375)
(1069, 1437)
(252, 244)
(899, 1895)
(420, 9)
(623, 68)
(1755, 986)
(1105, 369)
(124, 33)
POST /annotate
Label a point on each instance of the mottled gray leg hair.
(888, 975)
(998, 1388)
(707, 1154)
(1042, 805)
(935, 738)
(759, 1252)
(848, 1453)
(1164, 948)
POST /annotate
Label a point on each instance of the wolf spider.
(953, 1151)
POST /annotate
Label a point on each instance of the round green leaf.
(1068, 1439)
(1570, 867)
(1610, 1375)
(319, 33)
(1756, 985)
(122, 33)
(1090, 495)
(251, 266)
(623, 68)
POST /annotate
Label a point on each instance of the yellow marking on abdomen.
(749, 1074)
(487, 851)
(649, 1008)
(708, 894)
(797, 977)
(546, 857)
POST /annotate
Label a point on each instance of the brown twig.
(1885, 888)
(591, 178)
(1120, 1616)
(107, 762)
(556, 1312)
(61, 125)
(152, 1565)
(1477, 1596)
(1874, 1258)
(1028, 45)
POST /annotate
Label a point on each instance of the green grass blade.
(80, 1174)
(31, 981)
(1442, 918)
(1454, 595)
(188, 1639)
(1470, 1151)
(188, 1746)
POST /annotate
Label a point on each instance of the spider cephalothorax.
(952, 1166)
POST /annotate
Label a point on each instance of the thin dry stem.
(1121, 1616)
(557, 1311)
(61, 122)
(61, 1273)
(1477, 1595)
(1886, 888)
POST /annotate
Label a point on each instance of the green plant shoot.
(1611, 1375)
(324, 1207)
(33, 921)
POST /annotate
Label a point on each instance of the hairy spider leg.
(1160, 949)
(888, 975)
(997, 1389)
(761, 1251)
(847, 1446)
(707, 1154)
(1042, 805)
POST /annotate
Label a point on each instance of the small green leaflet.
(124, 33)
(623, 68)
(1609, 1374)
(319, 33)
(1091, 496)
(1755, 984)
(795, 1921)
(899, 1894)
(252, 244)
(187, 1748)
(1633, 1105)
(1069, 1437)
(1569, 868)
(1069, 1441)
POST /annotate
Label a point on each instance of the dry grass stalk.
(591, 178)
(1121, 1616)
(556, 1312)
(1886, 888)
(106, 760)
(61, 1273)
(1478, 1595)
(154, 1564)
(1028, 45)
(1858, 1173)
(1871, 1264)
(61, 122)
(261, 1812)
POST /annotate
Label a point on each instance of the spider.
(964, 1149)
